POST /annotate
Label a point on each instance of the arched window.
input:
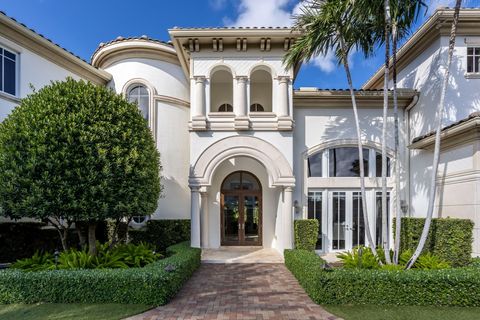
(139, 95)
(344, 162)
(221, 90)
(256, 107)
(225, 108)
(261, 90)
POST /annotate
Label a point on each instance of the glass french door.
(347, 221)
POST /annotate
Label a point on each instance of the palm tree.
(329, 25)
(389, 19)
(436, 153)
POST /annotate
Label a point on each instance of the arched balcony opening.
(261, 91)
(221, 91)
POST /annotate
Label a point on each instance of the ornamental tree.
(74, 151)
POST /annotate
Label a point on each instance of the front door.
(241, 210)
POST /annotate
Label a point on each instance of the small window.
(256, 107)
(225, 108)
(139, 95)
(315, 165)
(139, 219)
(344, 162)
(378, 165)
(8, 72)
(473, 58)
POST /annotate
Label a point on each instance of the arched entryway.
(241, 210)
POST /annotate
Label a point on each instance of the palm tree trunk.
(436, 154)
(385, 240)
(398, 224)
(360, 146)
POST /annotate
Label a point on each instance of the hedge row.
(306, 234)
(162, 233)
(450, 239)
(448, 287)
(154, 284)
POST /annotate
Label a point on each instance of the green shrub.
(122, 256)
(448, 287)
(359, 258)
(430, 261)
(153, 285)
(306, 233)
(449, 239)
(162, 233)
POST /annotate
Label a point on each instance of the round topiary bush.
(74, 151)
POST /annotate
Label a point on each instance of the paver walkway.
(240, 291)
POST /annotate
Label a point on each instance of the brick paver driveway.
(240, 291)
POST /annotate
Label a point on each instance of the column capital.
(288, 189)
(199, 79)
(241, 78)
(283, 79)
(195, 189)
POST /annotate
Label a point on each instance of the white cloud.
(327, 63)
(217, 4)
(262, 13)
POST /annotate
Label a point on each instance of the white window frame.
(473, 56)
(17, 73)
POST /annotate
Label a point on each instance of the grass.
(403, 312)
(77, 311)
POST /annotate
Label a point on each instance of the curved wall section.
(155, 65)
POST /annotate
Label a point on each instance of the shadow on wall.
(174, 202)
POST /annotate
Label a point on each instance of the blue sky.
(80, 26)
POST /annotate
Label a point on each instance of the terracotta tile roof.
(432, 133)
(232, 28)
(123, 39)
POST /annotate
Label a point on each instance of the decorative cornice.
(315, 98)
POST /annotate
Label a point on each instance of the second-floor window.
(139, 95)
(473, 58)
(8, 71)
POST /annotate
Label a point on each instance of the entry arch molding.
(280, 173)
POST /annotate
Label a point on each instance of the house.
(244, 154)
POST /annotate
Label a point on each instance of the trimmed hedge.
(162, 233)
(155, 284)
(306, 233)
(448, 287)
(449, 239)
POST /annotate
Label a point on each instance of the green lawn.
(403, 312)
(77, 311)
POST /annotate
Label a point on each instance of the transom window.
(8, 71)
(473, 58)
(256, 107)
(225, 108)
(240, 180)
(139, 95)
(344, 162)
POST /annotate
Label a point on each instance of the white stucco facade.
(244, 154)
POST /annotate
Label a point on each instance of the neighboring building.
(244, 154)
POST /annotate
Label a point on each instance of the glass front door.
(347, 221)
(241, 211)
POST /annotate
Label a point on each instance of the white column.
(282, 110)
(288, 217)
(195, 217)
(240, 106)
(198, 108)
(204, 219)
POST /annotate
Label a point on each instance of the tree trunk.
(385, 240)
(62, 231)
(92, 241)
(398, 224)
(360, 146)
(436, 153)
(80, 226)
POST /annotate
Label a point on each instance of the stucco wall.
(32, 70)
(171, 126)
